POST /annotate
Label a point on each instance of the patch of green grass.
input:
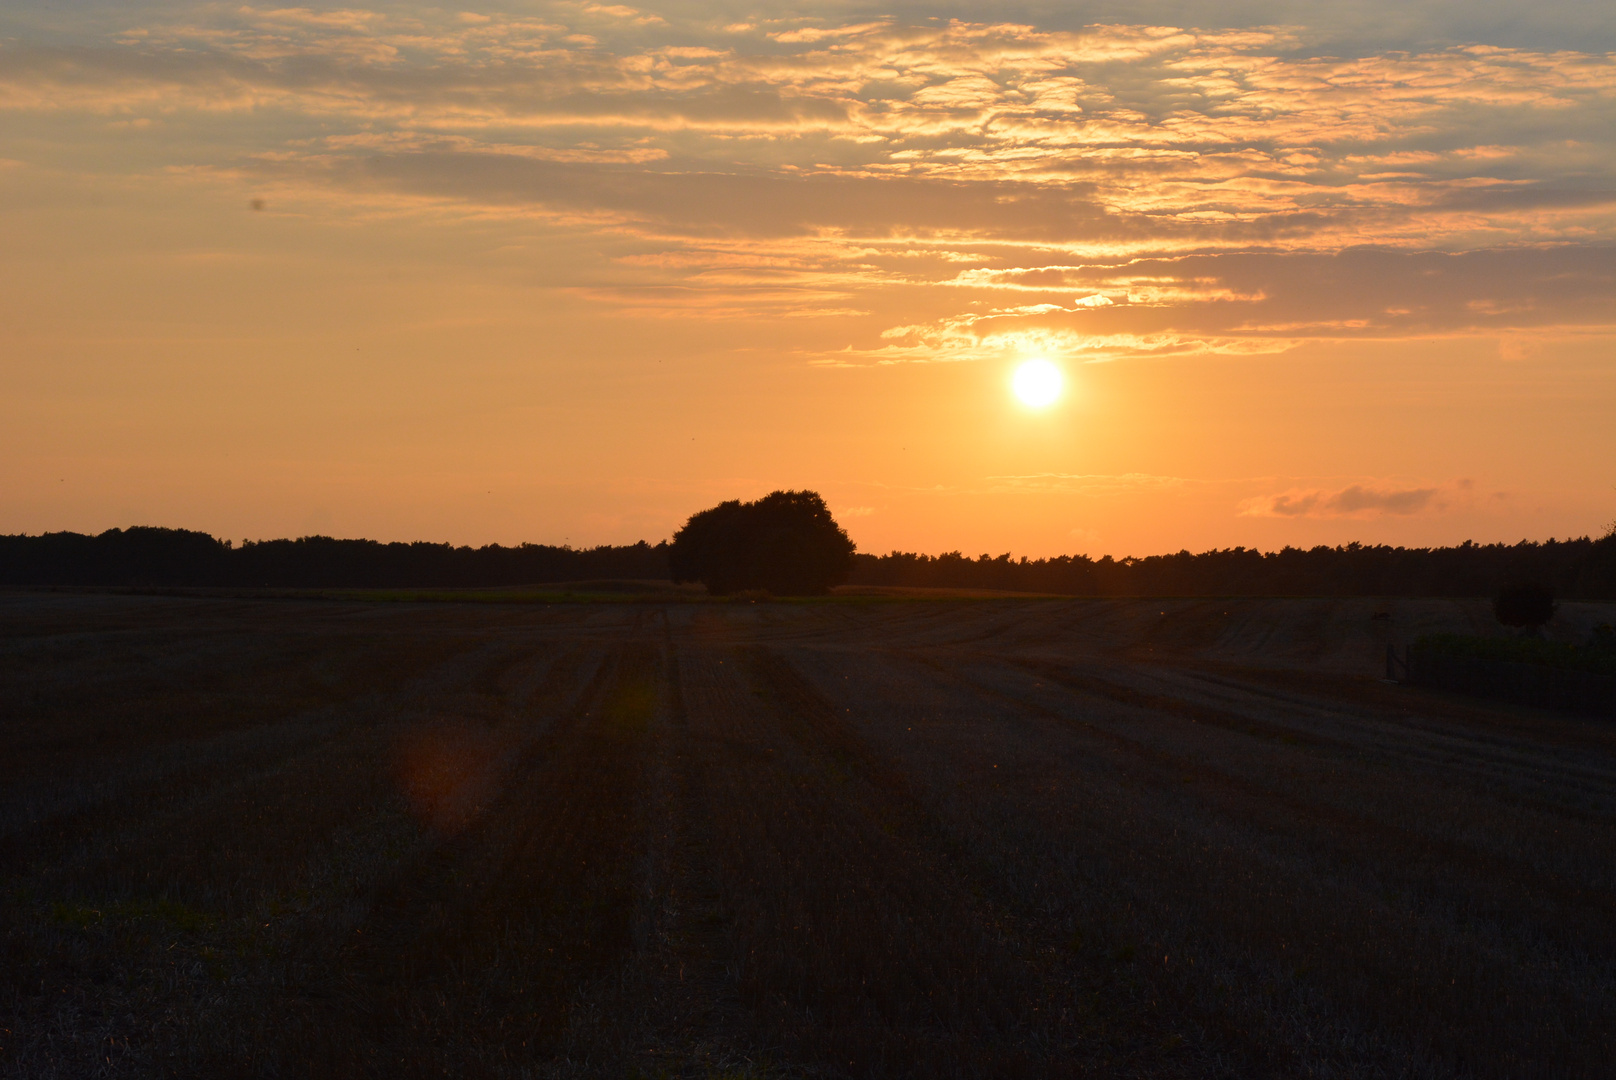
(492, 596)
(1522, 650)
(80, 915)
(170, 914)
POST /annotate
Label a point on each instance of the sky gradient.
(568, 272)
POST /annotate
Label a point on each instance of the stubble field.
(866, 837)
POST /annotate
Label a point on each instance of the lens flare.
(1038, 384)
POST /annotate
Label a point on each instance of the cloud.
(1086, 537)
(1252, 303)
(1354, 500)
(1104, 191)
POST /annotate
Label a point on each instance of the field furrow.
(844, 839)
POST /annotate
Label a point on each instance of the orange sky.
(568, 272)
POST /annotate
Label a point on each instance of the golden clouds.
(1146, 189)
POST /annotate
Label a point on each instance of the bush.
(785, 543)
(1529, 605)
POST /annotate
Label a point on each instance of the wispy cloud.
(1354, 500)
(1104, 192)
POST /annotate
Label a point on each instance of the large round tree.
(786, 542)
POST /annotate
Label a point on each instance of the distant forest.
(148, 556)
(1580, 569)
(1574, 569)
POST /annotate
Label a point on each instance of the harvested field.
(862, 837)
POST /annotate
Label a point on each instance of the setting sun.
(1037, 383)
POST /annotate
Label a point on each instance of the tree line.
(153, 556)
(1573, 569)
(1580, 569)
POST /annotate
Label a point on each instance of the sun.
(1038, 383)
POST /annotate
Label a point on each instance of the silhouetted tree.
(786, 542)
(1527, 605)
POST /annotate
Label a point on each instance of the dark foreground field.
(987, 838)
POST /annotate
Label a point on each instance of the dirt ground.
(872, 836)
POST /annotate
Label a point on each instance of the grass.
(1601, 660)
(971, 839)
(613, 591)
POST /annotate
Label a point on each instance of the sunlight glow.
(1037, 383)
(567, 270)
